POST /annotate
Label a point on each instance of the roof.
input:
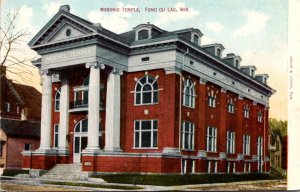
(19, 128)
(26, 96)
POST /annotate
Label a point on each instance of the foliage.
(14, 172)
(171, 180)
(278, 127)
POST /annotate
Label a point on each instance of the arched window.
(57, 100)
(188, 93)
(146, 90)
(219, 53)
(143, 34)
(211, 99)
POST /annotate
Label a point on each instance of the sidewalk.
(36, 183)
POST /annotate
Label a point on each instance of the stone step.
(64, 172)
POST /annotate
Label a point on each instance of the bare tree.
(13, 55)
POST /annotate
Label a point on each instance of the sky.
(256, 30)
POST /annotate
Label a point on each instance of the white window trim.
(230, 106)
(246, 144)
(213, 139)
(259, 117)
(246, 112)
(145, 130)
(152, 91)
(230, 142)
(58, 91)
(7, 107)
(55, 135)
(191, 135)
(189, 87)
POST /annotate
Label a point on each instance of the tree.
(278, 127)
(13, 57)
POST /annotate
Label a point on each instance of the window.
(259, 117)
(188, 93)
(56, 127)
(57, 100)
(7, 107)
(219, 53)
(187, 135)
(211, 99)
(228, 167)
(27, 147)
(246, 144)
(146, 90)
(230, 106)
(196, 39)
(1, 147)
(246, 111)
(145, 134)
(143, 34)
(230, 142)
(236, 63)
(212, 166)
(211, 139)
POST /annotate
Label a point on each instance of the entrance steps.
(64, 172)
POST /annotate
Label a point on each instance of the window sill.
(146, 104)
(144, 148)
(190, 150)
(212, 106)
(188, 106)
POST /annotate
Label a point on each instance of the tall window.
(230, 142)
(259, 117)
(219, 53)
(246, 111)
(57, 100)
(188, 93)
(246, 144)
(7, 107)
(146, 90)
(56, 127)
(260, 153)
(145, 133)
(211, 139)
(211, 99)
(187, 135)
(230, 106)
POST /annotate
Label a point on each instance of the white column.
(112, 117)
(46, 112)
(63, 117)
(93, 108)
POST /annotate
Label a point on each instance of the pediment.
(62, 27)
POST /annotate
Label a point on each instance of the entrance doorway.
(80, 139)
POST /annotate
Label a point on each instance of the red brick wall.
(14, 147)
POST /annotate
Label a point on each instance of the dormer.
(215, 49)
(262, 78)
(194, 35)
(233, 60)
(250, 70)
(147, 31)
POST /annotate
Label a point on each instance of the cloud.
(256, 21)
(164, 18)
(52, 7)
(215, 26)
(206, 40)
(24, 19)
(114, 21)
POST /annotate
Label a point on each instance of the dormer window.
(219, 53)
(196, 39)
(143, 34)
(265, 80)
(236, 63)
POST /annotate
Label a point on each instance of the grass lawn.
(171, 180)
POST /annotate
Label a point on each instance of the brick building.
(20, 108)
(146, 101)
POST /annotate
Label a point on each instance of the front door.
(80, 139)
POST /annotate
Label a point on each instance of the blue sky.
(254, 29)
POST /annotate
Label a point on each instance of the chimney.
(65, 8)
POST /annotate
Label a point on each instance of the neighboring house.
(276, 151)
(146, 101)
(19, 121)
